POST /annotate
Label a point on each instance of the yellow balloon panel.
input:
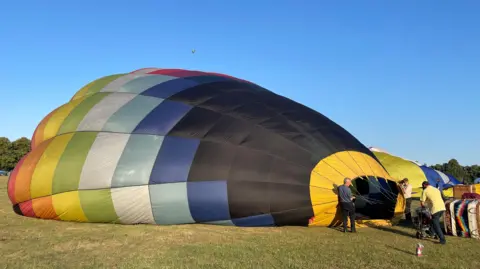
(330, 172)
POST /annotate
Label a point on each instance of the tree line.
(12, 152)
(467, 174)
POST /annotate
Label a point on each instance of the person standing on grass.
(438, 207)
(345, 200)
(407, 192)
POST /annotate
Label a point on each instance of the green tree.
(20, 147)
(455, 169)
(12, 152)
(462, 173)
(5, 156)
(474, 171)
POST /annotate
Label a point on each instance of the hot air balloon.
(173, 146)
(400, 168)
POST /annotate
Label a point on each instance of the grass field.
(33, 243)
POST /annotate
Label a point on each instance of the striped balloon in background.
(400, 168)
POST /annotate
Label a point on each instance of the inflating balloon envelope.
(172, 146)
(400, 168)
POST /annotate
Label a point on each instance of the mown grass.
(33, 243)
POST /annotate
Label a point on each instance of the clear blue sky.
(402, 76)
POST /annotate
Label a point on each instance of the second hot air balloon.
(400, 168)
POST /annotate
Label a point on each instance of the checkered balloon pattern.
(173, 146)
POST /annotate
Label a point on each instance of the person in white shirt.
(407, 192)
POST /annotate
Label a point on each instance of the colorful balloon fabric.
(172, 146)
(400, 168)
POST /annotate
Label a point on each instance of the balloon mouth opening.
(376, 197)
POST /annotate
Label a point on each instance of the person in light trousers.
(407, 193)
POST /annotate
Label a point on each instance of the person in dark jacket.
(345, 200)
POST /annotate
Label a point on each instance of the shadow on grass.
(338, 228)
(393, 230)
(401, 250)
(405, 224)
